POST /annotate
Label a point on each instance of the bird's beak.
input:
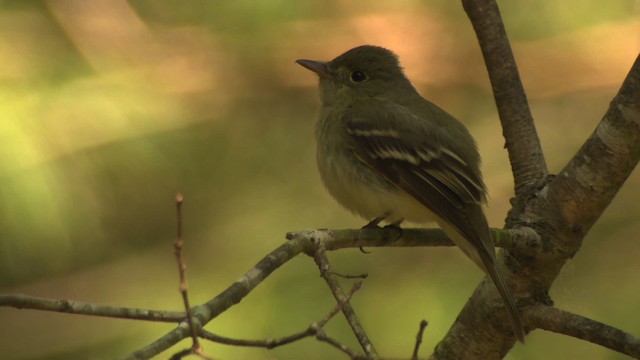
(317, 67)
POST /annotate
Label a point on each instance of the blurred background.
(109, 108)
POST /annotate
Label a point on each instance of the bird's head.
(364, 71)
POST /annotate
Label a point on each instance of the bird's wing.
(420, 164)
(417, 160)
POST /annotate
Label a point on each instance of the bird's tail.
(495, 274)
(486, 261)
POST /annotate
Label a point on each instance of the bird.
(389, 155)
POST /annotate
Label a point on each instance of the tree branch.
(588, 183)
(563, 322)
(178, 244)
(320, 257)
(521, 139)
(416, 347)
(481, 330)
(577, 197)
(163, 343)
(524, 239)
(229, 297)
(315, 329)
(82, 308)
(300, 242)
(478, 332)
(561, 213)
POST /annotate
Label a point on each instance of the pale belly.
(360, 190)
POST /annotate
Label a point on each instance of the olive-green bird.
(387, 154)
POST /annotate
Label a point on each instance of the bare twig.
(82, 308)
(416, 348)
(322, 336)
(266, 343)
(356, 286)
(564, 322)
(196, 348)
(314, 329)
(320, 257)
(180, 354)
(229, 297)
(348, 276)
(182, 269)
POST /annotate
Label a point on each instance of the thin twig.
(347, 276)
(180, 354)
(229, 297)
(416, 348)
(322, 336)
(266, 343)
(563, 322)
(356, 286)
(196, 348)
(82, 308)
(313, 329)
(320, 257)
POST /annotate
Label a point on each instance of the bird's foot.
(375, 223)
(395, 228)
(392, 231)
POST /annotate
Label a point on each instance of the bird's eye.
(358, 76)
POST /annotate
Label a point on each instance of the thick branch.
(563, 212)
(563, 322)
(522, 142)
(586, 186)
(570, 205)
(581, 192)
(481, 330)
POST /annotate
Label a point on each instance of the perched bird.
(387, 154)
